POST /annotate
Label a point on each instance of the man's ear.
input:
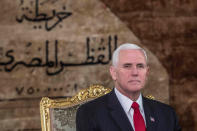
(113, 72)
(147, 73)
(148, 70)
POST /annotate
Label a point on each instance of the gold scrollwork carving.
(150, 97)
(84, 95)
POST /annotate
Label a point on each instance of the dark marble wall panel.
(169, 30)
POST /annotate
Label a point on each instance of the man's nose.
(134, 71)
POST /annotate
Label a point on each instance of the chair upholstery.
(59, 114)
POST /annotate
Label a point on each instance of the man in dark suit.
(125, 109)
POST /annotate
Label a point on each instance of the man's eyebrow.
(140, 64)
(127, 64)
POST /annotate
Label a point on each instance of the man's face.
(130, 72)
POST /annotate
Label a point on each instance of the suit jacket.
(106, 114)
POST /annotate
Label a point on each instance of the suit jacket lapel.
(151, 118)
(117, 112)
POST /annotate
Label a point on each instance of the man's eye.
(140, 66)
(126, 66)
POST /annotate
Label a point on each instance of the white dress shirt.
(126, 104)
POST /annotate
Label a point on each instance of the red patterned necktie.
(137, 118)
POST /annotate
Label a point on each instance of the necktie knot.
(135, 105)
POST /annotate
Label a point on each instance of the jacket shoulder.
(157, 105)
(97, 103)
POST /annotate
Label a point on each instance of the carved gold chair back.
(59, 114)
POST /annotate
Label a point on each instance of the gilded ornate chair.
(59, 114)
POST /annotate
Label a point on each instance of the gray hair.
(126, 46)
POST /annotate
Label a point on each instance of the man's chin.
(135, 89)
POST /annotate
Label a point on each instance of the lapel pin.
(152, 119)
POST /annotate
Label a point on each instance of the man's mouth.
(135, 81)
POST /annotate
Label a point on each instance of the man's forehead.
(132, 52)
(131, 56)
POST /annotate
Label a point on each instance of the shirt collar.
(126, 102)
